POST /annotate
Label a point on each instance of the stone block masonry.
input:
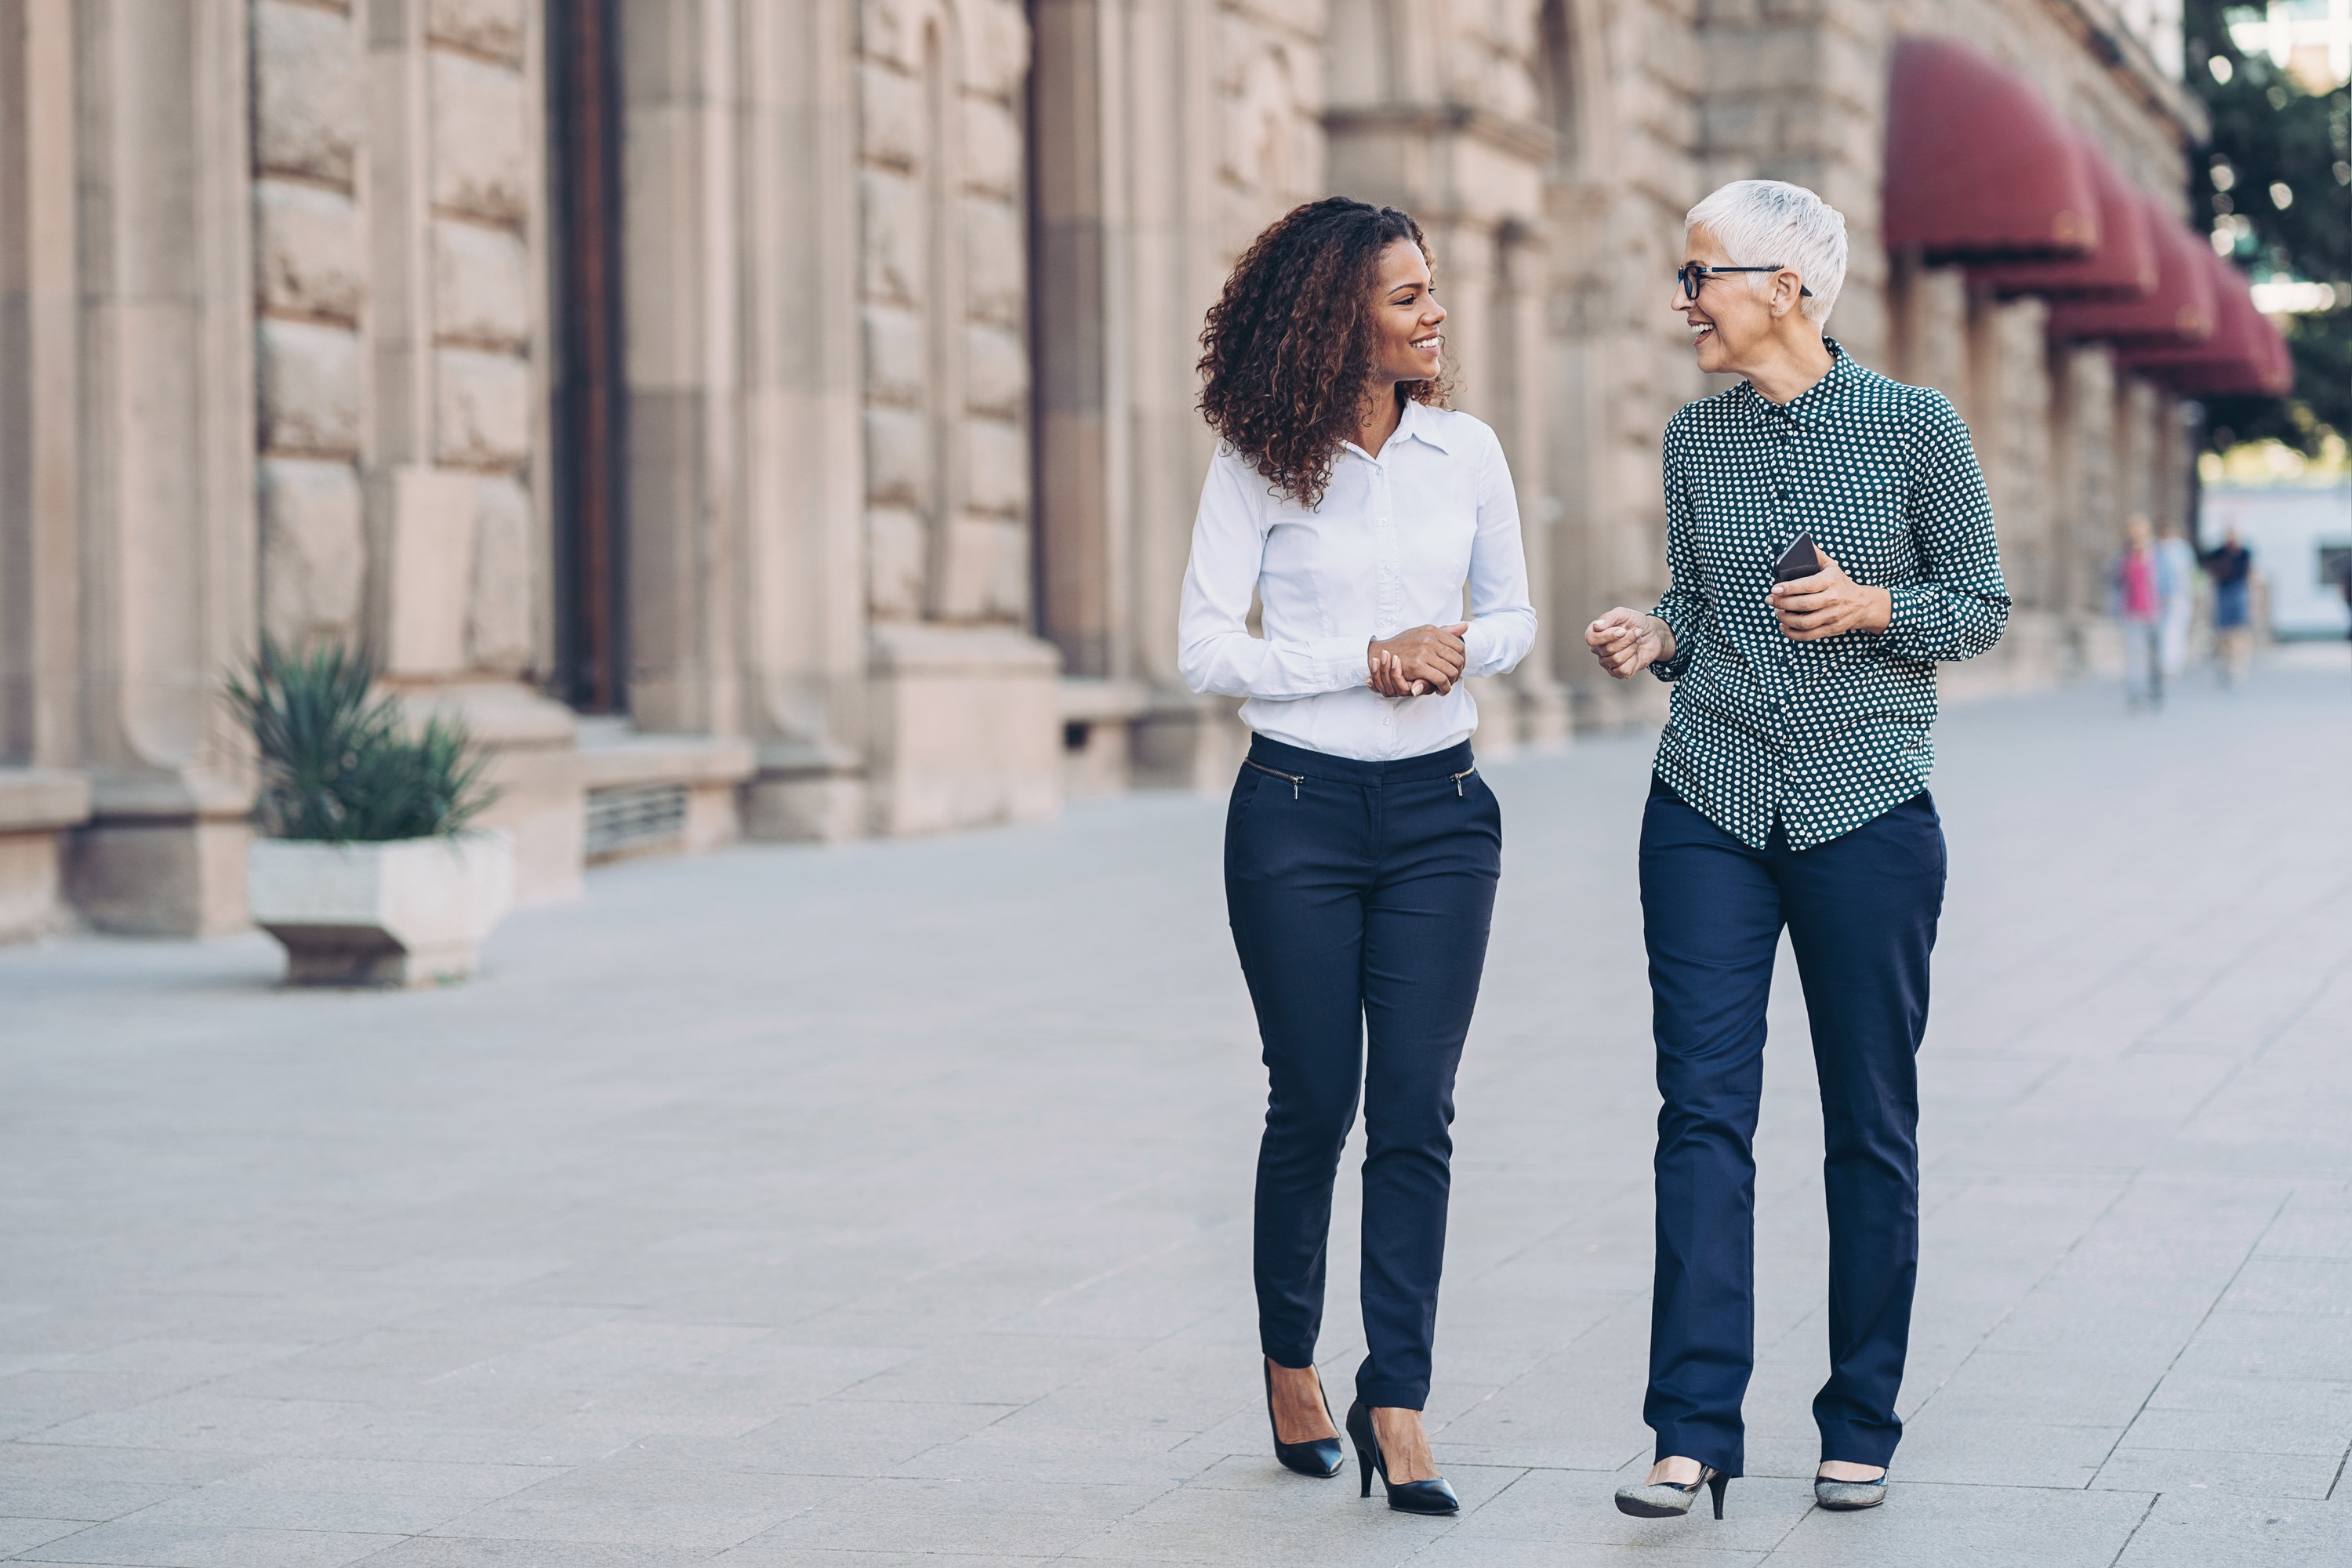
(309, 127)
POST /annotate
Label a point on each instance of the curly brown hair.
(1289, 351)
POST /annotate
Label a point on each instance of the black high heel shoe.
(1405, 1497)
(1318, 1457)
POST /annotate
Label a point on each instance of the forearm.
(1930, 621)
(1236, 664)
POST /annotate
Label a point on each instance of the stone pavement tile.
(26, 1468)
(2318, 1286)
(1983, 1452)
(1459, 1551)
(431, 1551)
(1922, 1525)
(166, 1544)
(696, 1405)
(243, 1506)
(2311, 1406)
(34, 1401)
(2269, 1344)
(23, 1535)
(1569, 1509)
(994, 1369)
(2303, 1231)
(186, 1356)
(84, 1326)
(1993, 1386)
(2246, 1429)
(90, 1501)
(833, 1437)
(203, 1421)
(615, 1348)
(759, 1553)
(1310, 1524)
(440, 1436)
(405, 1477)
(2238, 1471)
(1143, 1457)
(2202, 1530)
(633, 1505)
(1030, 1517)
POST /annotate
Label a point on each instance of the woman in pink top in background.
(2138, 592)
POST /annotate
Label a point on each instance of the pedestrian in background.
(2136, 590)
(2175, 578)
(1790, 792)
(2230, 567)
(1361, 846)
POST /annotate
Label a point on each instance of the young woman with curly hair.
(1361, 846)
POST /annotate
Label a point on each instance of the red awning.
(2179, 313)
(2122, 267)
(1979, 167)
(2245, 356)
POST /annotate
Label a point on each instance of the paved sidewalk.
(888, 1205)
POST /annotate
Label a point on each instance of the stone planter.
(411, 912)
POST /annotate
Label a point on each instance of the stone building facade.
(774, 417)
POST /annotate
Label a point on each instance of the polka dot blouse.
(1825, 735)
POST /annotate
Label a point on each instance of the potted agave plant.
(368, 869)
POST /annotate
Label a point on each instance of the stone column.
(41, 800)
(39, 378)
(803, 588)
(454, 458)
(1216, 130)
(746, 571)
(966, 722)
(680, 272)
(1438, 112)
(166, 431)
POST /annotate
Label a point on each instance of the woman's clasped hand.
(1415, 663)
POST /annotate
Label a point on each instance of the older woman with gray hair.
(1829, 540)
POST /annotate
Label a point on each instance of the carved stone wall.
(911, 293)
(943, 299)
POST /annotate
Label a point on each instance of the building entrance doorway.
(591, 409)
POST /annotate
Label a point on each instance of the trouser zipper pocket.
(1457, 779)
(1296, 779)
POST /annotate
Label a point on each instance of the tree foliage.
(2270, 133)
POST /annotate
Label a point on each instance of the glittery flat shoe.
(1669, 1499)
(1845, 1497)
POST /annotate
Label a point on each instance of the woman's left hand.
(1829, 604)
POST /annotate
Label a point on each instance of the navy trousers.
(1360, 896)
(1861, 912)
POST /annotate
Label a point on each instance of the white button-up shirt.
(1389, 549)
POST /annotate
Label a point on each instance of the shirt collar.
(1419, 423)
(1415, 424)
(1808, 403)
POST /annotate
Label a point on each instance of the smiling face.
(1732, 318)
(1408, 317)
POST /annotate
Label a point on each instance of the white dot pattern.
(1824, 734)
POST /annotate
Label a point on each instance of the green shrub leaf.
(337, 763)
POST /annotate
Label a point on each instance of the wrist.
(1879, 613)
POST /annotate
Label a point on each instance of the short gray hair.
(1771, 223)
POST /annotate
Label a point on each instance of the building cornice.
(1520, 138)
(2097, 27)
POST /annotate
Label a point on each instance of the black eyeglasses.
(1692, 277)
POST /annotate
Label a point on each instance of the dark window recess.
(590, 415)
(1073, 735)
(638, 817)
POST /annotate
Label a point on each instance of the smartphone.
(1800, 560)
